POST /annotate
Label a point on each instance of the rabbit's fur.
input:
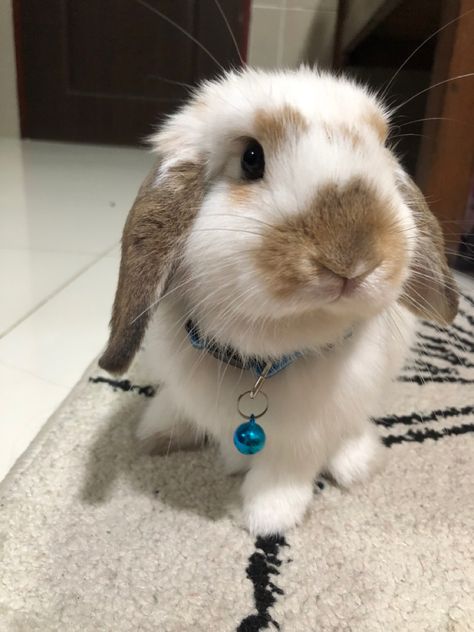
(334, 239)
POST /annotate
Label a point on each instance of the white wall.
(9, 117)
(284, 33)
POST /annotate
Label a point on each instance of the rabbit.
(280, 223)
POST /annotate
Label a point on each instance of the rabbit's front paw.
(273, 509)
(357, 459)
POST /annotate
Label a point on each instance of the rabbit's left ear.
(154, 233)
(430, 290)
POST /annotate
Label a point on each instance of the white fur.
(318, 416)
(320, 406)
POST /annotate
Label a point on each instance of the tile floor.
(62, 208)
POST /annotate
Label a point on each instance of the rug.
(95, 536)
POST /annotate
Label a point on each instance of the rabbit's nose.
(354, 273)
(351, 280)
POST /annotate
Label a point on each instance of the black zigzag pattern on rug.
(421, 435)
(439, 379)
(263, 563)
(125, 385)
(444, 354)
(417, 418)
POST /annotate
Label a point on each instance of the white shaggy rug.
(95, 536)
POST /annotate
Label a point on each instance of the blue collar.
(231, 356)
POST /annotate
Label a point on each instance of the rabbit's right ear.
(430, 290)
(154, 233)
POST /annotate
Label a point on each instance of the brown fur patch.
(430, 291)
(240, 193)
(341, 228)
(344, 132)
(378, 123)
(350, 135)
(272, 127)
(155, 229)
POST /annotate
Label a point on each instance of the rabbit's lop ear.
(154, 233)
(430, 290)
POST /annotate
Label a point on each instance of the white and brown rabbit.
(280, 225)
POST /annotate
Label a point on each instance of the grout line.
(53, 251)
(63, 286)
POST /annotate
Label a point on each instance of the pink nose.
(351, 283)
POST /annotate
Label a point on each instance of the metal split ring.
(253, 401)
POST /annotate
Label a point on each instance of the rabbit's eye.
(253, 161)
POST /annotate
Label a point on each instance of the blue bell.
(249, 437)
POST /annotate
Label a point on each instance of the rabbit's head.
(280, 217)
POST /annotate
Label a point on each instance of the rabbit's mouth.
(329, 287)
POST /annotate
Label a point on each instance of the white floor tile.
(64, 197)
(26, 403)
(62, 208)
(29, 277)
(60, 339)
(465, 282)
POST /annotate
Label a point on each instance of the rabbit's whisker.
(164, 17)
(425, 41)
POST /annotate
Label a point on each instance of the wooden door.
(96, 70)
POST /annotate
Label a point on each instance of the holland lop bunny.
(278, 222)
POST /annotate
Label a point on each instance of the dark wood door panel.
(99, 49)
(94, 70)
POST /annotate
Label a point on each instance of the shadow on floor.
(189, 481)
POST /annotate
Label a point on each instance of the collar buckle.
(257, 387)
